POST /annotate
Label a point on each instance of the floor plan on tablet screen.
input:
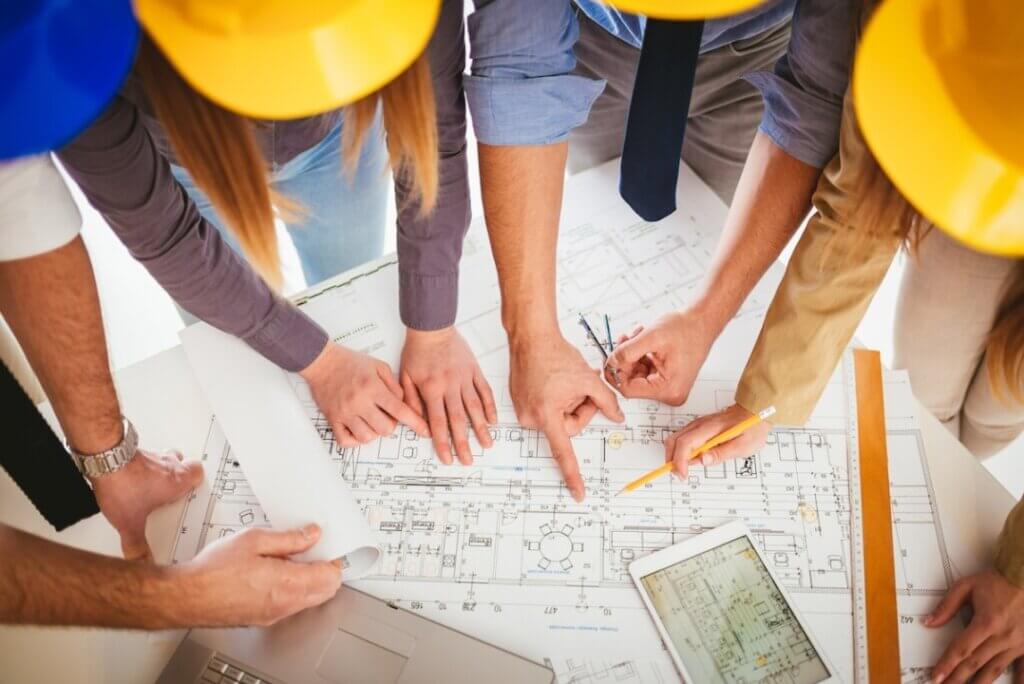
(501, 550)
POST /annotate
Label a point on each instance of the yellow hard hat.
(283, 59)
(683, 9)
(937, 87)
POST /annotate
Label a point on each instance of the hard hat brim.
(61, 70)
(920, 138)
(295, 72)
(675, 10)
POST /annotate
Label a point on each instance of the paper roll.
(279, 450)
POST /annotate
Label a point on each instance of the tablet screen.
(728, 620)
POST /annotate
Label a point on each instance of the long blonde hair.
(218, 147)
(882, 212)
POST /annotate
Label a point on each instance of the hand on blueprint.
(993, 640)
(150, 480)
(359, 395)
(246, 579)
(661, 361)
(554, 389)
(680, 444)
(442, 380)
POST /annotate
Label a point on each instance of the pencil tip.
(620, 492)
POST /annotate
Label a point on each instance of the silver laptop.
(351, 638)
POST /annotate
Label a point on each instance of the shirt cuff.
(289, 338)
(803, 125)
(428, 302)
(529, 111)
(1010, 548)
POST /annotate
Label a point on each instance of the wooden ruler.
(876, 622)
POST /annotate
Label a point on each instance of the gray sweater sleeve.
(429, 247)
(127, 179)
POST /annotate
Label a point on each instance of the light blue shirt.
(521, 89)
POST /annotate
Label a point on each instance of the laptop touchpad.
(365, 650)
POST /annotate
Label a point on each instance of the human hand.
(680, 445)
(127, 496)
(442, 380)
(247, 579)
(359, 396)
(554, 389)
(661, 361)
(992, 641)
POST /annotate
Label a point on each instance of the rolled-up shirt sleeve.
(37, 213)
(430, 245)
(520, 90)
(803, 94)
(124, 176)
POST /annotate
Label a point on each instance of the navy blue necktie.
(38, 463)
(657, 116)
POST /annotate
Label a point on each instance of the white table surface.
(164, 400)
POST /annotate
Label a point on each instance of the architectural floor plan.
(501, 550)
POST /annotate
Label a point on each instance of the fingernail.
(938, 678)
(577, 495)
(310, 530)
(705, 460)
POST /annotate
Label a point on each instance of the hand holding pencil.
(731, 433)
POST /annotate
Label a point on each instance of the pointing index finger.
(561, 451)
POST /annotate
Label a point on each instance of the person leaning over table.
(939, 173)
(540, 68)
(48, 296)
(186, 106)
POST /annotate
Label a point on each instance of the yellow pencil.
(720, 438)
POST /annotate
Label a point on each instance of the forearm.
(430, 245)
(51, 304)
(522, 196)
(124, 176)
(45, 583)
(771, 200)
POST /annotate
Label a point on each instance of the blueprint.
(605, 668)
(500, 550)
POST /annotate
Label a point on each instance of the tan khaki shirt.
(831, 278)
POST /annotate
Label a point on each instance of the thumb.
(631, 351)
(605, 400)
(134, 545)
(286, 542)
(388, 378)
(950, 603)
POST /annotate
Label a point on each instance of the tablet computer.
(723, 614)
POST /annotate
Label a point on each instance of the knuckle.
(250, 535)
(433, 386)
(988, 623)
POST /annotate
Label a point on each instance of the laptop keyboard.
(220, 671)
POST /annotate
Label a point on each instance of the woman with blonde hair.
(929, 159)
(236, 113)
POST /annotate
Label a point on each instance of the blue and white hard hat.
(61, 61)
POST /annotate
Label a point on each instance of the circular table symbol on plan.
(555, 547)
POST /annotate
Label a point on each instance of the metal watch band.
(111, 460)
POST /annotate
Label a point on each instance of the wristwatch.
(111, 460)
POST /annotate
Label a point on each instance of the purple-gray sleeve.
(429, 247)
(126, 179)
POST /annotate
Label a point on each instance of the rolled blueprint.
(279, 450)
